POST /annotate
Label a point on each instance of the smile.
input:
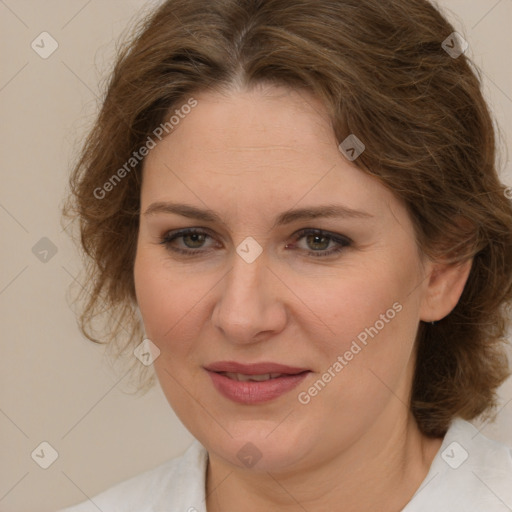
(255, 383)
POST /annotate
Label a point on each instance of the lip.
(254, 368)
(251, 393)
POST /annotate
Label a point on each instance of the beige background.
(54, 385)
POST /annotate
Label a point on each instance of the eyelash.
(342, 241)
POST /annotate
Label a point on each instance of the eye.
(195, 238)
(320, 240)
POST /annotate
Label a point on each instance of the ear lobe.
(445, 286)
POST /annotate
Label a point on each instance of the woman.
(293, 208)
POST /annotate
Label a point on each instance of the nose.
(250, 306)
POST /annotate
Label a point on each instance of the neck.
(372, 474)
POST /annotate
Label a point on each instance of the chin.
(261, 445)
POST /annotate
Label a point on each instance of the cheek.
(365, 363)
(166, 299)
(376, 323)
(374, 317)
(364, 303)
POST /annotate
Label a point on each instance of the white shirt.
(470, 473)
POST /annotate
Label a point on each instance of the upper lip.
(253, 369)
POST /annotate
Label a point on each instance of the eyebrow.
(286, 217)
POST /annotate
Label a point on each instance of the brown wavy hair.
(380, 68)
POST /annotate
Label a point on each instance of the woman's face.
(341, 306)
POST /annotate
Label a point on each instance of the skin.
(249, 155)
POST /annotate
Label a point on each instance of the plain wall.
(55, 386)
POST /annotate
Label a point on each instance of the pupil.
(194, 236)
(318, 237)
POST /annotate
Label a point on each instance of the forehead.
(272, 146)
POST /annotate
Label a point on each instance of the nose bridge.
(245, 306)
(245, 287)
(248, 270)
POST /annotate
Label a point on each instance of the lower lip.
(253, 392)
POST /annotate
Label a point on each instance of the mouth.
(254, 383)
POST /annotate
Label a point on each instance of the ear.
(445, 285)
